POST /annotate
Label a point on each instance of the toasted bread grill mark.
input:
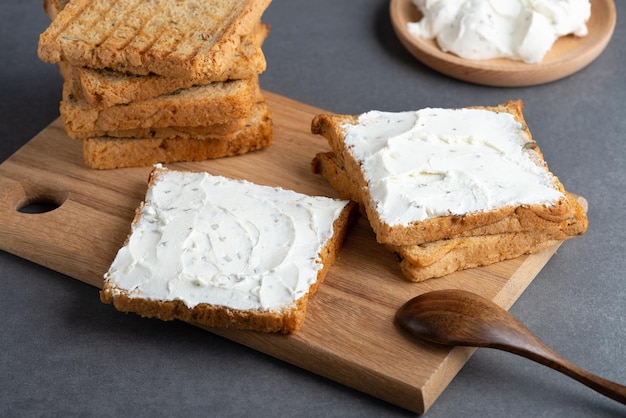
(142, 42)
(93, 26)
(164, 37)
(126, 31)
(189, 45)
(123, 34)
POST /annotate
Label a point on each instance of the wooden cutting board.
(348, 336)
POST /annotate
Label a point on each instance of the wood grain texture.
(348, 335)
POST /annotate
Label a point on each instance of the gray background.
(64, 353)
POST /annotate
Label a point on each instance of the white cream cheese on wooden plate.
(523, 30)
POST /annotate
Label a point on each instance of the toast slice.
(227, 253)
(518, 221)
(176, 39)
(503, 240)
(440, 172)
(196, 106)
(106, 88)
(197, 132)
(483, 252)
(496, 246)
(109, 152)
(231, 126)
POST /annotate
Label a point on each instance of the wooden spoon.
(457, 317)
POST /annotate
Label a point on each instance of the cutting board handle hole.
(39, 206)
(36, 200)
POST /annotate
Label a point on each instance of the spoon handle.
(456, 317)
(533, 348)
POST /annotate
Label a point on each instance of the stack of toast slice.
(160, 81)
(448, 189)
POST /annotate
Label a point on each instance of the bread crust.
(106, 88)
(485, 251)
(491, 248)
(285, 320)
(109, 153)
(197, 132)
(196, 106)
(208, 131)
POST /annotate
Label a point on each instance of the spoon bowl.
(458, 317)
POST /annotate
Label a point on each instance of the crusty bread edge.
(458, 261)
(196, 106)
(100, 93)
(106, 153)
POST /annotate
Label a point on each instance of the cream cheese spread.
(523, 30)
(209, 239)
(437, 162)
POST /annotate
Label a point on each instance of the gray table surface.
(63, 353)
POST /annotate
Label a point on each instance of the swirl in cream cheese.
(522, 30)
(209, 239)
(438, 162)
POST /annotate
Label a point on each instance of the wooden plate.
(568, 55)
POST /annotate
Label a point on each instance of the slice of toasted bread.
(521, 220)
(209, 250)
(109, 153)
(170, 38)
(476, 252)
(486, 249)
(197, 132)
(372, 148)
(192, 132)
(196, 106)
(521, 233)
(106, 88)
